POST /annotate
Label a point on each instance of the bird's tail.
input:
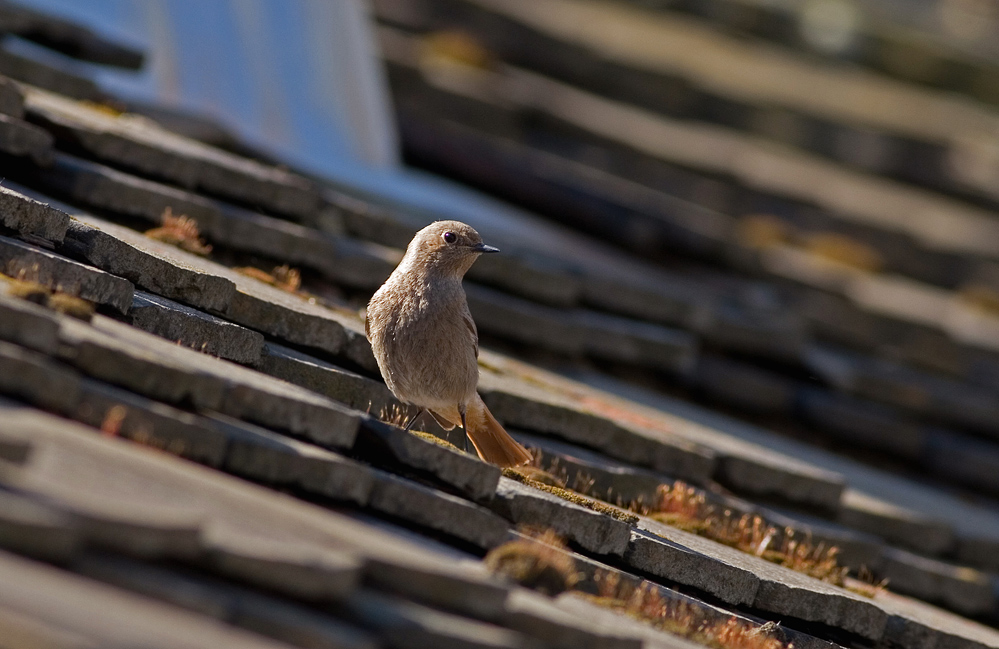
(490, 439)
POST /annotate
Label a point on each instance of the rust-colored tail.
(491, 441)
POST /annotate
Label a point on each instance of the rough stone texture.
(719, 573)
(24, 261)
(915, 625)
(742, 579)
(860, 422)
(437, 510)
(262, 455)
(669, 300)
(387, 445)
(747, 467)
(144, 363)
(529, 275)
(28, 216)
(194, 329)
(141, 145)
(151, 423)
(620, 623)
(36, 379)
(537, 616)
(960, 589)
(580, 332)
(269, 616)
(520, 404)
(27, 324)
(857, 550)
(592, 473)
(400, 623)
(743, 385)
(23, 140)
(157, 267)
(302, 571)
(358, 392)
(898, 525)
(593, 531)
(108, 616)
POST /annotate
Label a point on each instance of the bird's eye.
(450, 237)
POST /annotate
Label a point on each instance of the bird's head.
(446, 248)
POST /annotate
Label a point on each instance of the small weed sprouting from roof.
(181, 231)
(70, 305)
(646, 604)
(540, 562)
(398, 415)
(283, 277)
(535, 477)
(686, 508)
(866, 584)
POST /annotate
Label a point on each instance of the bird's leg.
(412, 420)
(464, 428)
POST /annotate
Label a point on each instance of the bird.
(426, 343)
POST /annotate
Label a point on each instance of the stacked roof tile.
(778, 296)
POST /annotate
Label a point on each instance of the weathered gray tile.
(25, 261)
(461, 586)
(157, 267)
(743, 385)
(510, 317)
(302, 571)
(263, 614)
(620, 623)
(521, 405)
(260, 454)
(592, 473)
(532, 276)
(67, 37)
(387, 445)
(23, 140)
(28, 216)
(195, 329)
(108, 615)
(900, 526)
(437, 510)
(136, 143)
(404, 624)
(36, 529)
(539, 617)
(131, 358)
(915, 625)
(748, 466)
(149, 422)
(960, 589)
(37, 379)
(740, 578)
(27, 324)
(46, 76)
(719, 573)
(595, 532)
(358, 392)
(864, 423)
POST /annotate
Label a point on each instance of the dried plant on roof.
(55, 300)
(181, 231)
(539, 560)
(283, 277)
(534, 477)
(686, 508)
(646, 604)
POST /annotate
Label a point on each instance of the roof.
(737, 315)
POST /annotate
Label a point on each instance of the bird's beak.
(481, 247)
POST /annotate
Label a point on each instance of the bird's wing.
(475, 332)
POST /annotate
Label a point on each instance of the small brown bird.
(426, 343)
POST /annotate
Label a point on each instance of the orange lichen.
(762, 231)
(845, 250)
